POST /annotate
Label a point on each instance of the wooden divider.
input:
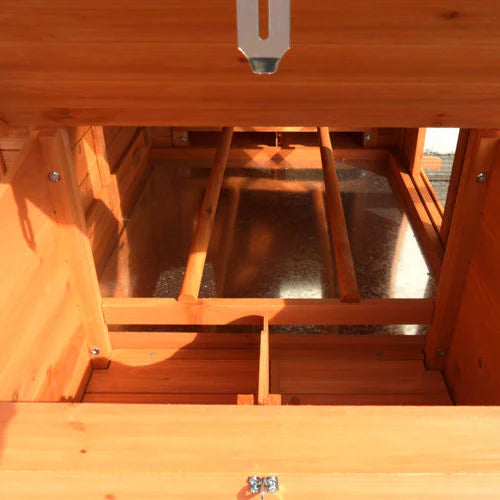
(338, 230)
(163, 311)
(264, 363)
(199, 246)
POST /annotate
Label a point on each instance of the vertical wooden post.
(456, 172)
(482, 155)
(348, 286)
(199, 246)
(263, 391)
(57, 158)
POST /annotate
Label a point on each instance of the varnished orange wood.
(338, 230)
(69, 213)
(350, 452)
(482, 155)
(158, 311)
(201, 239)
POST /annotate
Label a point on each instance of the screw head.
(54, 176)
(184, 138)
(271, 484)
(441, 352)
(254, 484)
(368, 137)
(95, 351)
(481, 177)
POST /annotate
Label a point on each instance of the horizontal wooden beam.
(164, 311)
(267, 157)
(59, 450)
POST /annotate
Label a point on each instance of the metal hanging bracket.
(263, 54)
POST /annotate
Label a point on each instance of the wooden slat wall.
(351, 64)
(473, 370)
(43, 353)
(110, 165)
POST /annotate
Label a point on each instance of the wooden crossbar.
(164, 311)
(199, 246)
(346, 275)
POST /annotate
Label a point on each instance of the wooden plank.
(347, 486)
(179, 376)
(472, 369)
(418, 441)
(69, 213)
(482, 155)
(356, 105)
(348, 376)
(118, 143)
(414, 207)
(97, 485)
(264, 360)
(180, 340)
(267, 157)
(346, 275)
(313, 21)
(456, 172)
(154, 354)
(413, 149)
(199, 246)
(427, 399)
(162, 311)
(161, 398)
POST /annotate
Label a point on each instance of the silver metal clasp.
(263, 55)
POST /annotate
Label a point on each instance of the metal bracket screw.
(368, 137)
(95, 351)
(481, 177)
(441, 352)
(54, 176)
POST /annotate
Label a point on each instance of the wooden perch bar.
(201, 239)
(264, 363)
(338, 230)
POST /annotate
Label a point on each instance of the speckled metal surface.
(268, 242)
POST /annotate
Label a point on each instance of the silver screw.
(254, 484)
(95, 351)
(368, 137)
(184, 138)
(481, 177)
(54, 176)
(441, 352)
(271, 484)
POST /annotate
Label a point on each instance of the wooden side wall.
(473, 368)
(43, 352)
(110, 164)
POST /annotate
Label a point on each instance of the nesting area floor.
(213, 368)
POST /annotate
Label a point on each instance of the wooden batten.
(199, 246)
(264, 364)
(69, 213)
(422, 224)
(163, 311)
(338, 230)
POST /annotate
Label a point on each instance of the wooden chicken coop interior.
(248, 265)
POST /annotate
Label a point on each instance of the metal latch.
(263, 54)
(263, 485)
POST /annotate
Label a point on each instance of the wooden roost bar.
(246, 273)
